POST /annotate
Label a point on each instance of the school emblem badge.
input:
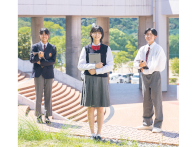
(50, 55)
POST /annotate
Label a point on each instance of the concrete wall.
(170, 7)
(161, 25)
(26, 66)
(83, 7)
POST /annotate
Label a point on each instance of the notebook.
(94, 58)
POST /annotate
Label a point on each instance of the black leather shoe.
(47, 120)
(92, 137)
(98, 138)
(39, 120)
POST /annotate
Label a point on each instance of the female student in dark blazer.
(95, 93)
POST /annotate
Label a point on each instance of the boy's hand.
(142, 63)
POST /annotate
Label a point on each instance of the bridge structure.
(150, 13)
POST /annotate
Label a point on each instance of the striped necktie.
(44, 47)
(147, 53)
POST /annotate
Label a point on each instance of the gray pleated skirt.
(95, 92)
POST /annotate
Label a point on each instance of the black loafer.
(39, 120)
(98, 138)
(47, 120)
(92, 137)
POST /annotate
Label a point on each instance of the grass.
(30, 135)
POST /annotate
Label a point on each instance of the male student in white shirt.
(151, 60)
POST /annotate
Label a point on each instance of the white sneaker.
(144, 127)
(156, 130)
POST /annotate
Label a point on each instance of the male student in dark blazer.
(43, 56)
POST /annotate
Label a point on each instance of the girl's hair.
(96, 28)
(44, 30)
(154, 32)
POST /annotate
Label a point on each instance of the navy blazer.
(46, 65)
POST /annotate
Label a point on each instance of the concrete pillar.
(104, 23)
(144, 22)
(73, 45)
(36, 24)
(162, 27)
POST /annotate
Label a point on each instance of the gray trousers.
(46, 84)
(152, 94)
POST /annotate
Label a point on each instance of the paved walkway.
(109, 131)
(127, 106)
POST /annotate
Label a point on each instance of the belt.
(42, 66)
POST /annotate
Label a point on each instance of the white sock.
(98, 135)
(93, 134)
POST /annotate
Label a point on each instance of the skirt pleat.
(95, 92)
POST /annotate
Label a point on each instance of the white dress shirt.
(82, 65)
(43, 45)
(156, 58)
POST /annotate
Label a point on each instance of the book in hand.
(94, 58)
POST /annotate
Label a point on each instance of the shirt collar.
(44, 44)
(152, 45)
(97, 44)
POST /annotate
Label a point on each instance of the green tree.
(173, 46)
(24, 45)
(118, 39)
(85, 35)
(24, 30)
(55, 29)
(59, 42)
(175, 66)
(130, 66)
(22, 22)
(131, 49)
(120, 58)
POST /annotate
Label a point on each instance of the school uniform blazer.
(46, 65)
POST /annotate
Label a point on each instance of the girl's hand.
(99, 65)
(92, 71)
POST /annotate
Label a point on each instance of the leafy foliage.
(120, 58)
(175, 66)
(173, 46)
(24, 45)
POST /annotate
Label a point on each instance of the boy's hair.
(97, 28)
(44, 30)
(154, 32)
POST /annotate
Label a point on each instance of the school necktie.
(147, 53)
(44, 47)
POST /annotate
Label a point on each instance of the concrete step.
(55, 91)
(21, 77)
(62, 100)
(70, 106)
(71, 110)
(80, 116)
(65, 101)
(64, 87)
(19, 73)
(77, 113)
(28, 90)
(61, 107)
(27, 87)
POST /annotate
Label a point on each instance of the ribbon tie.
(96, 48)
